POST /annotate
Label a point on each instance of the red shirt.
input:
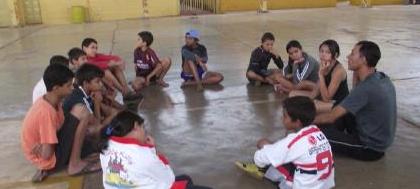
(102, 60)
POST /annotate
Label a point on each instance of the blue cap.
(193, 33)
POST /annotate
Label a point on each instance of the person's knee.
(108, 73)
(220, 77)
(160, 66)
(250, 74)
(167, 62)
(138, 83)
(117, 70)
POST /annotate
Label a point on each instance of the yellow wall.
(163, 8)
(240, 5)
(7, 14)
(114, 9)
(55, 11)
(378, 2)
(5, 19)
(58, 11)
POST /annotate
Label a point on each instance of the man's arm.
(330, 117)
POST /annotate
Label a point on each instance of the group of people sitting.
(321, 115)
(83, 115)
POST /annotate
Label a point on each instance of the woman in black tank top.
(332, 75)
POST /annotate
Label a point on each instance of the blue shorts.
(190, 77)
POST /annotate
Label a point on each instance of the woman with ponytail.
(129, 158)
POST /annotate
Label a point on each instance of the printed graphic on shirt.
(324, 160)
(116, 172)
(145, 63)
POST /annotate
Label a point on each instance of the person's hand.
(323, 69)
(262, 142)
(36, 150)
(197, 58)
(274, 52)
(202, 65)
(150, 140)
(298, 60)
(97, 97)
(109, 94)
(147, 83)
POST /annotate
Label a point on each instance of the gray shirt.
(306, 70)
(373, 102)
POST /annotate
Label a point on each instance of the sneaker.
(251, 169)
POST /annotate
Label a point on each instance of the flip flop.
(251, 169)
(87, 169)
(39, 176)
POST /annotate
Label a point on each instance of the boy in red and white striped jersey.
(303, 159)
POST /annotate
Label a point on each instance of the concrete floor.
(204, 133)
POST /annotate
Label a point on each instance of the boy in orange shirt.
(44, 141)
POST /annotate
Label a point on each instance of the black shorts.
(65, 138)
(344, 139)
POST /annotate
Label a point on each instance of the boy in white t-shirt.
(303, 159)
(40, 89)
(129, 158)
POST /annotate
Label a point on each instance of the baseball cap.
(193, 33)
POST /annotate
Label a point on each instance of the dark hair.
(56, 75)
(121, 125)
(300, 108)
(59, 59)
(370, 51)
(87, 41)
(75, 53)
(332, 46)
(147, 37)
(88, 72)
(293, 43)
(267, 36)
